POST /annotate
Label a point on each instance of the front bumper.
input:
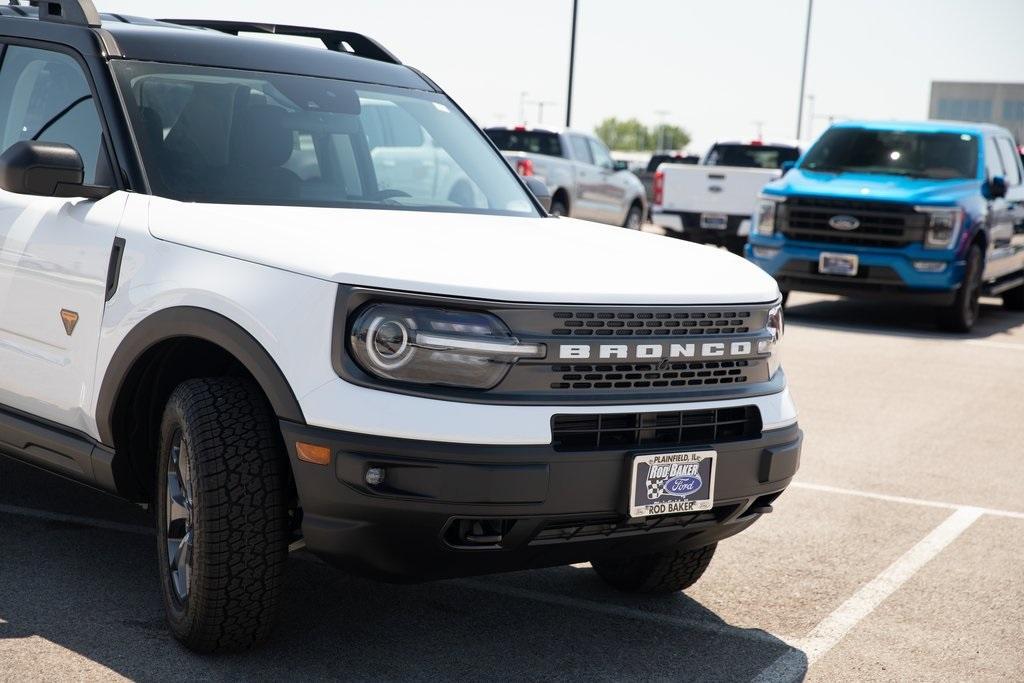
(884, 273)
(448, 510)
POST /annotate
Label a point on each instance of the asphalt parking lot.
(896, 556)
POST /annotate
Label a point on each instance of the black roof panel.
(149, 40)
(205, 47)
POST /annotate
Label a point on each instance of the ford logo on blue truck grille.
(844, 222)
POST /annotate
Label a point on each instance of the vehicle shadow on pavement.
(897, 319)
(94, 592)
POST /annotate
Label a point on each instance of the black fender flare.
(198, 323)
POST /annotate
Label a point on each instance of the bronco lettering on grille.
(736, 349)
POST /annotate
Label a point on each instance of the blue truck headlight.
(764, 219)
(422, 345)
(943, 226)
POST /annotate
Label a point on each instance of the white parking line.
(72, 519)
(904, 499)
(995, 345)
(835, 626)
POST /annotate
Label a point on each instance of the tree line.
(632, 135)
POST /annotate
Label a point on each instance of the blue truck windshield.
(937, 156)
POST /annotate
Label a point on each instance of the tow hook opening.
(478, 533)
(762, 505)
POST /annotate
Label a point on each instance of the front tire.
(656, 574)
(559, 207)
(963, 313)
(634, 218)
(221, 515)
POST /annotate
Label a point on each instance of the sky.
(719, 68)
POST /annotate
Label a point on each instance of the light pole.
(540, 108)
(810, 116)
(803, 71)
(662, 115)
(572, 64)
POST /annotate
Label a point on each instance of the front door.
(611, 191)
(54, 253)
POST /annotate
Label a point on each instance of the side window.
(580, 149)
(44, 96)
(993, 163)
(601, 156)
(1011, 163)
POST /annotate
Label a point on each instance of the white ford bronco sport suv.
(212, 302)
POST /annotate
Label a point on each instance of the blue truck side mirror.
(994, 188)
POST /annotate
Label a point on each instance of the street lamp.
(662, 115)
(572, 63)
(803, 71)
(540, 104)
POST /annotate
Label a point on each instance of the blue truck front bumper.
(884, 273)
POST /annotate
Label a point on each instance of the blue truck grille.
(881, 224)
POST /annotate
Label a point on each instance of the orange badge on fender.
(70, 319)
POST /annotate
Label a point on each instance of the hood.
(873, 186)
(489, 257)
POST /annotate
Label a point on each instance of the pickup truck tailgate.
(713, 189)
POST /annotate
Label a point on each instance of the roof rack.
(77, 12)
(337, 41)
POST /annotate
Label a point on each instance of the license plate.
(838, 264)
(670, 483)
(714, 221)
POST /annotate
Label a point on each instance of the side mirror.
(788, 166)
(540, 190)
(46, 169)
(994, 188)
(620, 166)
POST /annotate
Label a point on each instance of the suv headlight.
(766, 211)
(447, 347)
(776, 326)
(943, 226)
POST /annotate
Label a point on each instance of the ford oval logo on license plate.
(683, 486)
(844, 222)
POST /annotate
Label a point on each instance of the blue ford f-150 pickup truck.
(930, 212)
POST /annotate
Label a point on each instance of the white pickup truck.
(712, 203)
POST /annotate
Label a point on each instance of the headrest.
(259, 136)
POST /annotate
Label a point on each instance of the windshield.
(939, 156)
(751, 156)
(239, 137)
(533, 141)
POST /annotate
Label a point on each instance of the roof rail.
(77, 12)
(337, 41)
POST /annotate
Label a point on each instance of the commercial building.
(998, 103)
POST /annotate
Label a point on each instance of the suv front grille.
(647, 376)
(653, 323)
(882, 224)
(647, 430)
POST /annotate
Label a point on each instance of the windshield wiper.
(826, 169)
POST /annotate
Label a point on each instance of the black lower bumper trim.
(853, 289)
(447, 510)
